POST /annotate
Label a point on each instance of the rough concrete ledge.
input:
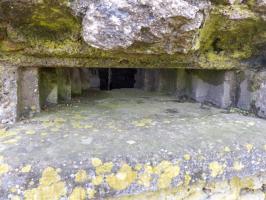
(111, 146)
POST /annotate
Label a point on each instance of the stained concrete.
(48, 86)
(8, 94)
(64, 84)
(113, 135)
(28, 92)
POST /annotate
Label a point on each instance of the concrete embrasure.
(130, 142)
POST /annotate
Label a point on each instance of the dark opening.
(117, 78)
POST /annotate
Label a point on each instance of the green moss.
(230, 36)
(251, 3)
(50, 31)
(212, 60)
(223, 40)
(9, 46)
(51, 20)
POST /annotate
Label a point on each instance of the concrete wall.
(215, 87)
(8, 94)
(24, 90)
(252, 92)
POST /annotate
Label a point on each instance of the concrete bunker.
(26, 90)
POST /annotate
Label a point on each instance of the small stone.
(131, 142)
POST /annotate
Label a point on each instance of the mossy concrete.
(48, 33)
(130, 142)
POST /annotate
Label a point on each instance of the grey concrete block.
(64, 84)
(76, 87)
(244, 93)
(216, 87)
(29, 96)
(167, 80)
(151, 79)
(48, 86)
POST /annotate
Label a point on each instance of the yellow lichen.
(187, 157)
(50, 187)
(13, 189)
(238, 166)
(149, 169)
(168, 174)
(30, 132)
(138, 167)
(96, 162)
(7, 134)
(91, 193)
(4, 168)
(123, 179)
(145, 178)
(247, 182)
(187, 179)
(105, 168)
(81, 176)
(26, 169)
(227, 149)
(162, 166)
(97, 180)
(15, 197)
(216, 168)
(13, 140)
(143, 123)
(78, 193)
(249, 147)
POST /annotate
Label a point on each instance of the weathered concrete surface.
(28, 92)
(48, 86)
(151, 79)
(76, 84)
(8, 94)
(251, 92)
(128, 142)
(64, 84)
(209, 34)
(216, 87)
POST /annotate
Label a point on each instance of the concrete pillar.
(139, 79)
(8, 94)
(85, 78)
(151, 79)
(167, 80)
(76, 88)
(94, 78)
(29, 96)
(229, 89)
(216, 87)
(199, 88)
(64, 84)
(48, 86)
(182, 83)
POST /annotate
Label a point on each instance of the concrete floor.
(129, 127)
